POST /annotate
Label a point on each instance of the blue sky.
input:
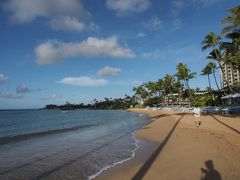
(77, 50)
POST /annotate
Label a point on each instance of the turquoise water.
(54, 144)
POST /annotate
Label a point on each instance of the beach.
(172, 147)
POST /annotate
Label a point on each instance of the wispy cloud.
(127, 83)
(207, 2)
(179, 5)
(56, 96)
(3, 79)
(83, 81)
(126, 7)
(53, 52)
(141, 35)
(154, 23)
(109, 71)
(175, 52)
(8, 95)
(176, 24)
(23, 88)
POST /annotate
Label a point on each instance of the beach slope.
(180, 150)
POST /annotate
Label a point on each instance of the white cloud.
(3, 79)
(22, 88)
(67, 23)
(124, 7)
(109, 71)
(154, 23)
(61, 14)
(8, 95)
(22, 11)
(84, 81)
(56, 96)
(53, 52)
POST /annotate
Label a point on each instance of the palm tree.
(168, 84)
(160, 89)
(213, 41)
(207, 70)
(178, 88)
(213, 66)
(232, 32)
(141, 92)
(184, 73)
(232, 49)
(233, 20)
(152, 88)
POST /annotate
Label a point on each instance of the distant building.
(230, 75)
(139, 100)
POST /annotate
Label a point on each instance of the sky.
(77, 50)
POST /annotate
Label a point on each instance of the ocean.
(55, 144)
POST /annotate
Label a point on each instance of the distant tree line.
(107, 103)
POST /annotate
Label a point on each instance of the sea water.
(55, 144)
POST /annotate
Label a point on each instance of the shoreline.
(173, 148)
(133, 154)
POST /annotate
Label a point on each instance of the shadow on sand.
(143, 170)
(166, 115)
(160, 116)
(235, 130)
(210, 173)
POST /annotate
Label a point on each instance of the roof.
(237, 95)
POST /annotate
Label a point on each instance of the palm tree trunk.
(182, 92)
(224, 80)
(209, 83)
(189, 93)
(189, 98)
(220, 65)
(171, 95)
(214, 75)
(211, 92)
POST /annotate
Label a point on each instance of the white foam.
(133, 153)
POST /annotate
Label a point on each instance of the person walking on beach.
(196, 113)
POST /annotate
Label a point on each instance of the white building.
(230, 75)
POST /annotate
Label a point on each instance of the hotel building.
(230, 75)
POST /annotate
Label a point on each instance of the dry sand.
(174, 148)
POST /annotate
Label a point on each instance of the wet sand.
(174, 148)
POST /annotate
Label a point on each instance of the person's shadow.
(210, 173)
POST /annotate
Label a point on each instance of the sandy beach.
(173, 147)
